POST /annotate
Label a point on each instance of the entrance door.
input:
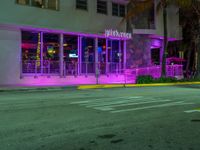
(102, 56)
(155, 56)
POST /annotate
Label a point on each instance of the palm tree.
(191, 23)
(137, 7)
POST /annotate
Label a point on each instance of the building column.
(106, 55)
(79, 55)
(96, 61)
(124, 63)
(120, 57)
(61, 54)
(41, 52)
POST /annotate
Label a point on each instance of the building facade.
(59, 42)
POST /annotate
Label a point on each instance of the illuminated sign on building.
(117, 34)
(73, 56)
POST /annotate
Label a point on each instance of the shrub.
(165, 80)
(149, 79)
(144, 79)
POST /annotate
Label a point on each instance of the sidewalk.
(82, 87)
(35, 88)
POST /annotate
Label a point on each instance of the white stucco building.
(62, 42)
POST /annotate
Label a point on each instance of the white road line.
(146, 102)
(155, 106)
(116, 101)
(96, 100)
(104, 108)
(110, 103)
(104, 99)
(191, 111)
(79, 102)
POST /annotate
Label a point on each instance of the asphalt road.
(145, 118)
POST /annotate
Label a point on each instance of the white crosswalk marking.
(191, 111)
(125, 104)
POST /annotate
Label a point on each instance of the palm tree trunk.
(198, 58)
(188, 62)
(165, 41)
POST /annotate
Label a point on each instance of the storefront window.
(51, 53)
(115, 51)
(31, 52)
(115, 56)
(41, 54)
(70, 47)
(102, 55)
(88, 55)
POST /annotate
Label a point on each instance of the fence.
(48, 67)
(155, 71)
(35, 67)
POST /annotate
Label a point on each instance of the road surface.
(144, 118)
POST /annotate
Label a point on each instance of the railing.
(155, 71)
(70, 68)
(74, 69)
(36, 67)
(48, 67)
(174, 70)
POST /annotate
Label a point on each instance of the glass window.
(115, 9)
(23, 2)
(31, 52)
(51, 46)
(38, 59)
(49, 4)
(81, 4)
(101, 7)
(38, 3)
(70, 49)
(102, 55)
(53, 4)
(122, 10)
(118, 10)
(88, 55)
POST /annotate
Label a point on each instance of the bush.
(165, 80)
(144, 79)
(149, 79)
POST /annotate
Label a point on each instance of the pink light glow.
(156, 43)
(162, 37)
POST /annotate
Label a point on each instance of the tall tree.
(137, 7)
(190, 20)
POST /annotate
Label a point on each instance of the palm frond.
(137, 7)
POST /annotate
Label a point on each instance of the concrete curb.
(83, 87)
(134, 85)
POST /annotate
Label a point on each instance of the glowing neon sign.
(117, 34)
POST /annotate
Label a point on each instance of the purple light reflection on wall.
(156, 43)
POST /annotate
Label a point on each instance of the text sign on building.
(117, 34)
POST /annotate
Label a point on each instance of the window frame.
(119, 8)
(106, 8)
(30, 3)
(79, 8)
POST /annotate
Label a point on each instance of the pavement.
(13, 88)
(139, 118)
